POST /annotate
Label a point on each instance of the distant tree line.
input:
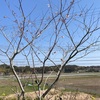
(5, 69)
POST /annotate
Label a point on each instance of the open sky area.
(35, 10)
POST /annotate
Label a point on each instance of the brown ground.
(57, 95)
(87, 84)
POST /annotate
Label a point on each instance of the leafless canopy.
(60, 33)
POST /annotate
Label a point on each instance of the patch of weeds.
(93, 98)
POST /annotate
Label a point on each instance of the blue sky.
(40, 7)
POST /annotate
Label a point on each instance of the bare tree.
(65, 29)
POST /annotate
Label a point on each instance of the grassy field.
(88, 83)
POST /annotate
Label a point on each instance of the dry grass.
(88, 84)
(55, 95)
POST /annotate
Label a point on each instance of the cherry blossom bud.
(48, 5)
(4, 16)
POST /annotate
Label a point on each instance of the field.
(85, 82)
